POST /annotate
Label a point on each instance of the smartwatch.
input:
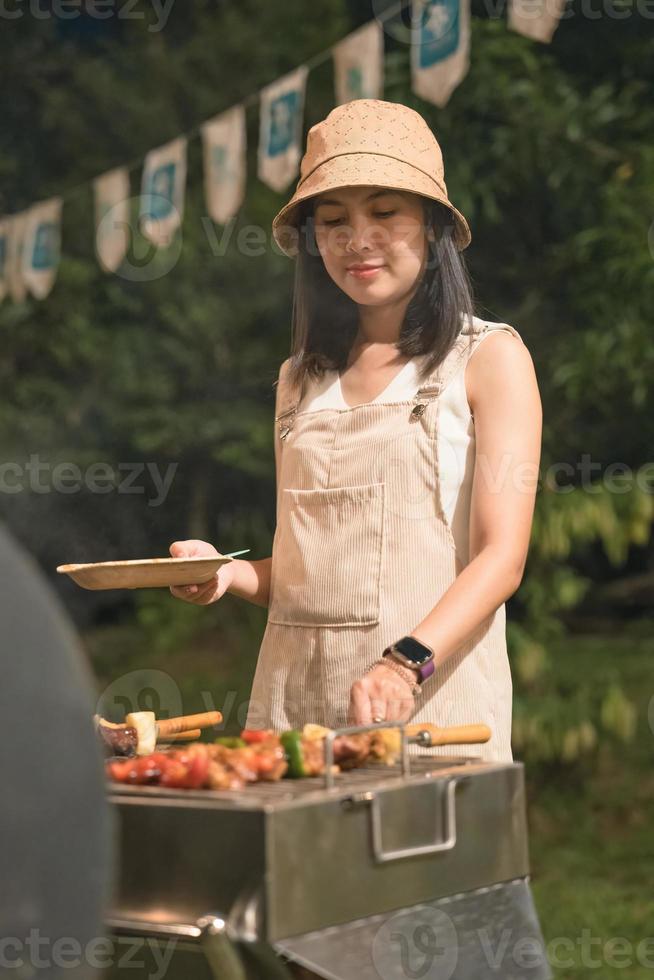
(412, 653)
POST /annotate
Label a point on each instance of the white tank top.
(456, 435)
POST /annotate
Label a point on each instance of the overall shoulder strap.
(486, 330)
(440, 377)
(471, 335)
(491, 326)
(287, 399)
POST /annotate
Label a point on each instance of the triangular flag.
(359, 64)
(440, 52)
(163, 188)
(112, 216)
(41, 246)
(536, 19)
(280, 135)
(224, 145)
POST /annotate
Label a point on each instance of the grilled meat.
(117, 739)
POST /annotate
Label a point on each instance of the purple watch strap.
(422, 672)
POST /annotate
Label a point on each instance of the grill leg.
(222, 956)
(240, 960)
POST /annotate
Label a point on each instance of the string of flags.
(30, 241)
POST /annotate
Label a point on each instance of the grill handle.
(447, 794)
(427, 735)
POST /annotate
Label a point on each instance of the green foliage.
(561, 724)
(165, 625)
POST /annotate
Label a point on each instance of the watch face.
(414, 650)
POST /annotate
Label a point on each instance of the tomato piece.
(186, 769)
(198, 770)
(120, 772)
(265, 761)
(255, 735)
(174, 775)
(148, 768)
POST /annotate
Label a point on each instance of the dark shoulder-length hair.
(325, 320)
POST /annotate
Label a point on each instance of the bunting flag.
(536, 19)
(30, 242)
(224, 143)
(440, 50)
(5, 234)
(111, 193)
(13, 264)
(359, 64)
(163, 188)
(41, 246)
(280, 134)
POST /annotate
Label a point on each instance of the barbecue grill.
(379, 872)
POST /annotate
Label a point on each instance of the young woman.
(407, 447)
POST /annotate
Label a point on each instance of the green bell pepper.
(292, 745)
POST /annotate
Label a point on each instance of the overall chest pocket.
(327, 557)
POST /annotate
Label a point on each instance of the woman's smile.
(364, 271)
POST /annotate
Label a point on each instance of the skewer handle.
(181, 736)
(456, 735)
(171, 726)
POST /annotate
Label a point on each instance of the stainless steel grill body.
(280, 860)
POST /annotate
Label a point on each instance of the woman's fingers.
(399, 709)
(200, 593)
(184, 549)
(181, 592)
(380, 694)
(360, 713)
(197, 594)
(203, 589)
(192, 548)
(378, 709)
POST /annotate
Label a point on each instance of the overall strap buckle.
(426, 393)
(285, 421)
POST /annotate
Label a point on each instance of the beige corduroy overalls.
(361, 554)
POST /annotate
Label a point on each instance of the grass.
(592, 849)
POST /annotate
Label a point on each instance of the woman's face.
(372, 241)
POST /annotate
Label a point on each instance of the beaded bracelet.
(399, 670)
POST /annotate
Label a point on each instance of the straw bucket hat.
(369, 142)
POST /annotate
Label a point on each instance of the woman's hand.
(203, 593)
(382, 693)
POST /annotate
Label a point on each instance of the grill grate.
(287, 791)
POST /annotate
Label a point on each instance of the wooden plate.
(148, 573)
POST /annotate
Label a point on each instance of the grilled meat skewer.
(141, 731)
